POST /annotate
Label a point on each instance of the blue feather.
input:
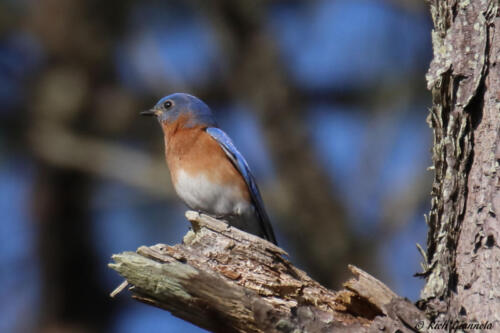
(239, 161)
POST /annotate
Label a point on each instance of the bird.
(208, 172)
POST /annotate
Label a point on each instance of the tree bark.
(226, 280)
(462, 266)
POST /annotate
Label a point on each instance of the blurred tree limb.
(58, 146)
(226, 280)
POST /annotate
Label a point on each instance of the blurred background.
(326, 100)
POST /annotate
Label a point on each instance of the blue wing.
(239, 161)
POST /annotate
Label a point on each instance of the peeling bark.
(226, 280)
(462, 253)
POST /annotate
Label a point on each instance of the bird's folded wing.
(239, 161)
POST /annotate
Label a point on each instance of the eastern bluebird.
(209, 174)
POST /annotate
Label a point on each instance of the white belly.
(199, 193)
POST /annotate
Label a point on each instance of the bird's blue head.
(171, 107)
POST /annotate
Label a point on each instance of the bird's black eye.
(167, 104)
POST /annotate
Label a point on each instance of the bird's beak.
(150, 112)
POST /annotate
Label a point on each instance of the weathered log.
(226, 280)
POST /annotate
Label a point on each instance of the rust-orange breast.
(195, 152)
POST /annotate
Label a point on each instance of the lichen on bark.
(456, 78)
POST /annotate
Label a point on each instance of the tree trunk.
(463, 257)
